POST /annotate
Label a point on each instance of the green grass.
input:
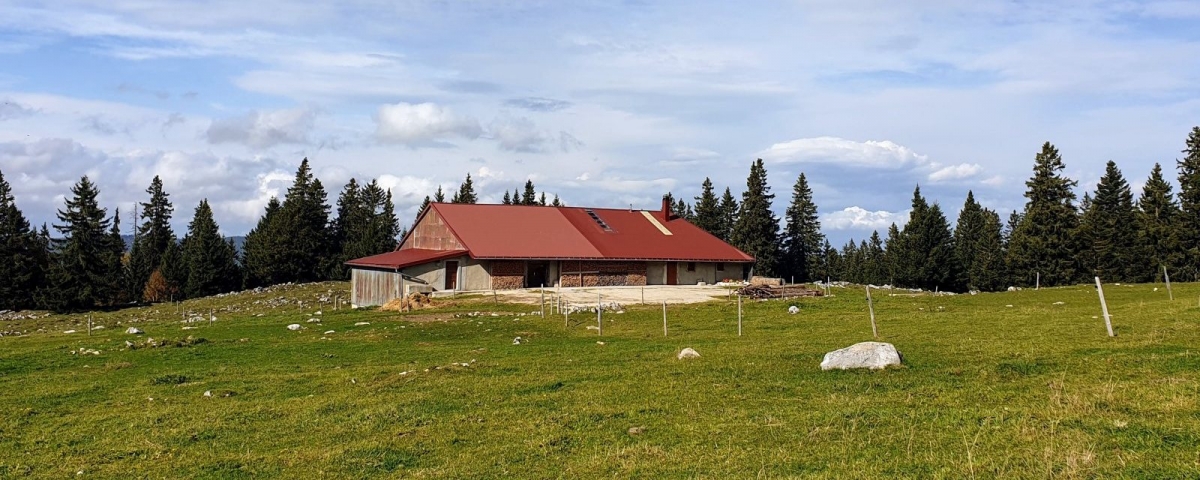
(1032, 390)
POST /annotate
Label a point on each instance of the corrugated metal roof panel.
(404, 258)
(515, 231)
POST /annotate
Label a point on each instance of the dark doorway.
(536, 274)
(672, 273)
(451, 275)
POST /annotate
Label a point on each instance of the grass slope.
(1032, 390)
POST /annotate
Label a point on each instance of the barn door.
(672, 273)
(451, 275)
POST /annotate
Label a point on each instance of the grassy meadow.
(1013, 385)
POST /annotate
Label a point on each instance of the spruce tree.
(893, 251)
(968, 233)
(466, 192)
(852, 262)
(1108, 231)
(174, 272)
(260, 251)
(117, 291)
(542, 199)
(209, 259)
(151, 237)
(349, 225)
(927, 258)
(987, 271)
(681, 209)
(1157, 216)
(530, 195)
(439, 196)
(80, 271)
(757, 230)
(874, 261)
(708, 209)
(729, 215)
(1189, 206)
(22, 256)
(507, 199)
(802, 238)
(303, 219)
(830, 268)
(557, 202)
(1042, 243)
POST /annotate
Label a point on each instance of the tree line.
(87, 264)
(1052, 241)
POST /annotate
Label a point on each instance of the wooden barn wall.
(602, 274)
(372, 287)
(432, 234)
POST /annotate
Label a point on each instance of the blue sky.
(602, 103)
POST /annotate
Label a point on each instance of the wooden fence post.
(1104, 308)
(739, 314)
(664, 318)
(1168, 279)
(871, 307)
(599, 316)
(542, 305)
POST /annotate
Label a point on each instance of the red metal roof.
(536, 232)
(404, 258)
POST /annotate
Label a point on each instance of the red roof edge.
(398, 259)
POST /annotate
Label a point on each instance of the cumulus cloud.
(834, 150)
(264, 128)
(858, 218)
(951, 173)
(518, 134)
(423, 124)
(12, 109)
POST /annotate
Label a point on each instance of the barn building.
(472, 247)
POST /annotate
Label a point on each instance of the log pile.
(768, 291)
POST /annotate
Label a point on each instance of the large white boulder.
(294, 327)
(133, 331)
(873, 355)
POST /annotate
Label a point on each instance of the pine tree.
(260, 251)
(349, 225)
(507, 199)
(1042, 243)
(542, 199)
(174, 271)
(757, 230)
(1189, 206)
(516, 197)
(115, 289)
(1158, 233)
(987, 271)
(557, 202)
(681, 209)
(927, 257)
(530, 195)
(439, 196)
(303, 219)
(466, 192)
(874, 261)
(80, 273)
(209, 259)
(852, 262)
(708, 209)
(968, 233)
(893, 251)
(22, 257)
(151, 237)
(830, 267)
(1107, 231)
(802, 238)
(729, 215)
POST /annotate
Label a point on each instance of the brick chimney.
(666, 209)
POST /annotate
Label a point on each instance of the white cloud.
(858, 218)
(264, 129)
(11, 109)
(840, 151)
(994, 181)
(956, 172)
(423, 124)
(518, 134)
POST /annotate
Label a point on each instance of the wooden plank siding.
(432, 234)
(373, 287)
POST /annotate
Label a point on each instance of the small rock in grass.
(1009, 306)
(687, 353)
(208, 393)
(793, 309)
(188, 328)
(599, 343)
(517, 341)
(134, 331)
(318, 312)
(69, 331)
(592, 327)
(637, 430)
(359, 324)
(327, 332)
(314, 320)
(294, 327)
(1060, 303)
(98, 327)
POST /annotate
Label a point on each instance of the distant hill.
(237, 242)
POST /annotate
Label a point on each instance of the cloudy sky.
(602, 103)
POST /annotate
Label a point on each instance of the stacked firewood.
(768, 291)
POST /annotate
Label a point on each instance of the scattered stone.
(134, 331)
(592, 327)
(294, 327)
(688, 352)
(1060, 303)
(359, 324)
(98, 327)
(873, 355)
(327, 332)
(793, 309)
(318, 312)
(1009, 306)
(599, 343)
(208, 393)
(188, 328)
(69, 331)
(637, 430)
(314, 320)
(517, 341)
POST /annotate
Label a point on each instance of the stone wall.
(508, 274)
(602, 274)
